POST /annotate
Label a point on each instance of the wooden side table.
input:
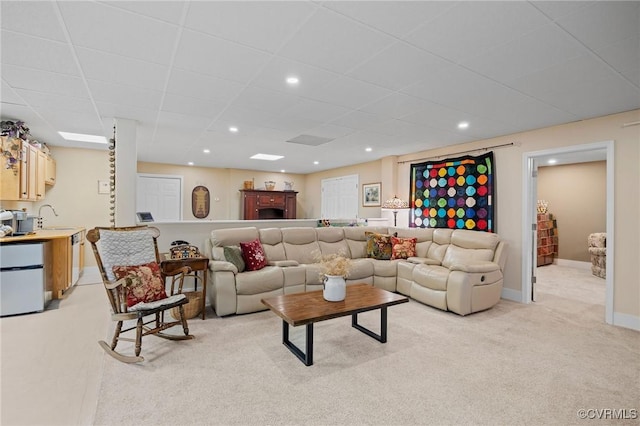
(197, 265)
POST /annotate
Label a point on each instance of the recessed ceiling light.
(206, 151)
(83, 138)
(190, 163)
(463, 125)
(268, 157)
(368, 149)
(282, 171)
(316, 162)
(552, 161)
(233, 129)
(292, 80)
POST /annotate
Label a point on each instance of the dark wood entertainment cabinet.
(260, 204)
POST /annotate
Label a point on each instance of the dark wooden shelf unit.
(261, 204)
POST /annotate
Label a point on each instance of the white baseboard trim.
(626, 321)
(573, 264)
(511, 294)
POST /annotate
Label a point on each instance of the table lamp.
(395, 204)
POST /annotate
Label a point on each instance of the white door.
(339, 198)
(161, 195)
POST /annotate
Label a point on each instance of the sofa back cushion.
(424, 238)
(469, 245)
(301, 245)
(357, 240)
(221, 238)
(331, 241)
(271, 239)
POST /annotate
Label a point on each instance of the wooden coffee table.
(309, 308)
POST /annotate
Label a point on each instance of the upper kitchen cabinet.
(50, 171)
(23, 172)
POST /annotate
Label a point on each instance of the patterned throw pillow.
(146, 285)
(403, 248)
(378, 245)
(253, 255)
(233, 254)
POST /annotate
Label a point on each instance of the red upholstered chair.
(129, 263)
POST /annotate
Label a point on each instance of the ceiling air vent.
(310, 140)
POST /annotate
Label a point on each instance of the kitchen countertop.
(44, 234)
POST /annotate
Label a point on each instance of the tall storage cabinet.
(547, 239)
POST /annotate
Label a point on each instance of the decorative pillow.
(146, 283)
(253, 255)
(378, 246)
(233, 254)
(403, 248)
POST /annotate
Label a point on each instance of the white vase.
(334, 288)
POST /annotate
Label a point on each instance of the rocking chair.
(129, 263)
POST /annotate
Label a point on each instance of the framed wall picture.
(371, 193)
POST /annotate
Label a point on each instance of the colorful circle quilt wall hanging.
(455, 193)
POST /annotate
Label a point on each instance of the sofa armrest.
(283, 263)
(423, 260)
(475, 266)
(221, 265)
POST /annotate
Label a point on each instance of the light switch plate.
(103, 187)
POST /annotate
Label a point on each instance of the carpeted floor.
(513, 364)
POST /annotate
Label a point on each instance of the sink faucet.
(46, 205)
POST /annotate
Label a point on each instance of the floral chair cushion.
(146, 283)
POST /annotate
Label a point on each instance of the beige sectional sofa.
(456, 270)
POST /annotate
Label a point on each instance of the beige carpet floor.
(513, 364)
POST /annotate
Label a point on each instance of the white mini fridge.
(23, 278)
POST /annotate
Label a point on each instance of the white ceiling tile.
(21, 50)
(274, 75)
(174, 120)
(125, 95)
(350, 93)
(70, 121)
(333, 42)
(604, 22)
(398, 66)
(117, 69)
(202, 86)
(168, 11)
(38, 127)
(472, 27)
(265, 99)
(330, 131)
(558, 9)
(358, 120)
(314, 110)
(394, 17)
(208, 55)
(8, 95)
(534, 51)
(36, 18)
(54, 100)
(102, 27)
(624, 55)
(395, 105)
(186, 105)
(43, 81)
(263, 25)
(143, 116)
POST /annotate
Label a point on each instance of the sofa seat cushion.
(361, 269)
(266, 279)
(384, 268)
(425, 260)
(431, 276)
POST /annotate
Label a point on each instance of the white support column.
(126, 171)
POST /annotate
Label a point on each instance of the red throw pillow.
(403, 248)
(146, 286)
(253, 255)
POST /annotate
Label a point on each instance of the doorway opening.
(531, 160)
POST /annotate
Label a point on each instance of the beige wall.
(576, 195)
(224, 187)
(509, 185)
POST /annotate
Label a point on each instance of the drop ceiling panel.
(624, 56)
(559, 9)
(117, 69)
(333, 42)
(392, 17)
(43, 81)
(265, 99)
(395, 105)
(358, 120)
(186, 105)
(168, 11)
(74, 122)
(202, 86)
(398, 66)
(143, 116)
(330, 131)
(273, 76)
(314, 110)
(211, 56)
(53, 101)
(472, 27)
(350, 93)
(35, 18)
(102, 27)
(265, 25)
(18, 49)
(125, 95)
(9, 96)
